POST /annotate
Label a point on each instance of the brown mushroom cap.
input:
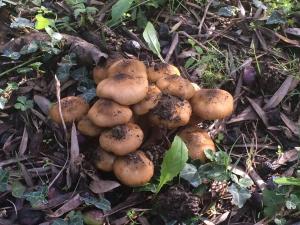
(171, 112)
(161, 70)
(123, 88)
(131, 67)
(86, 127)
(196, 87)
(107, 113)
(149, 102)
(134, 169)
(105, 160)
(99, 74)
(197, 140)
(211, 104)
(122, 139)
(73, 108)
(177, 86)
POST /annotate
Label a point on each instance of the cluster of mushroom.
(126, 90)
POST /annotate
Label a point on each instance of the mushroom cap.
(149, 102)
(86, 127)
(123, 88)
(99, 74)
(196, 86)
(171, 112)
(73, 108)
(107, 113)
(134, 169)
(105, 160)
(122, 139)
(197, 140)
(211, 104)
(177, 86)
(132, 67)
(161, 70)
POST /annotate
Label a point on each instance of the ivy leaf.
(30, 48)
(276, 18)
(273, 201)
(239, 195)
(118, 10)
(43, 22)
(190, 174)
(38, 197)
(293, 202)
(245, 182)
(173, 162)
(287, 181)
(59, 222)
(11, 54)
(3, 101)
(21, 22)
(4, 175)
(150, 36)
(75, 218)
(18, 189)
(227, 11)
(101, 203)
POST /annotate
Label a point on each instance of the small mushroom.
(131, 67)
(86, 127)
(149, 102)
(211, 104)
(73, 108)
(134, 169)
(107, 113)
(99, 74)
(123, 88)
(197, 140)
(196, 87)
(161, 70)
(171, 112)
(104, 160)
(122, 139)
(177, 86)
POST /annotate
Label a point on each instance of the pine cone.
(219, 188)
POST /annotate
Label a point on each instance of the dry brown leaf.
(43, 103)
(70, 205)
(260, 112)
(74, 152)
(24, 142)
(26, 175)
(294, 31)
(287, 156)
(279, 94)
(287, 40)
(294, 127)
(102, 186)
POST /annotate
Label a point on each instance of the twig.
(204, 16)
(196, 41)
(172, 47)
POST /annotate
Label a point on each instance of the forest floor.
(248, 48)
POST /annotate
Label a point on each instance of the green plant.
(210, 64)
(133, 215)
(23, 103)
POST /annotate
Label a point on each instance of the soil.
(119, 132)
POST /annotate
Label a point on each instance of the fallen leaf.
(74, 152)
(293, 31)
(24, 142)
(279, 94)
(260, 112)
(102, 186)
(294, 127)
(287, 40)
(43, 103)
(70, 205)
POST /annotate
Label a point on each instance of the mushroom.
(107, 113)
(104, 160)
(196, 86)
(123, 88)
(73, 108)
(99, 74)
(177, 86)
(93, 217)
(131, 67)
(211, 104)
(149, 102)
(171, 112)
(86, 127)
(134, 169)
(122, 139)
(197, 140)
(161, 70)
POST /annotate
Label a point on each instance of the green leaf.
(276, 18)
(11, 54)
(293, 202)
(245, 182)
(190, 174)
(75, 218)
(209, 154)
(280, 221)
(3, 101)
(239, 195)
(189, 62)
(118, 10)
(30, 48)
(141, 18)
(38, 197)
(4, 175)
(43, 22)
(287, 181)
(227, 11)
(18, 189)
(147, 188)
(173, 162)
(273, 201)
(59, 222)
(151, 38)
(101, 203)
